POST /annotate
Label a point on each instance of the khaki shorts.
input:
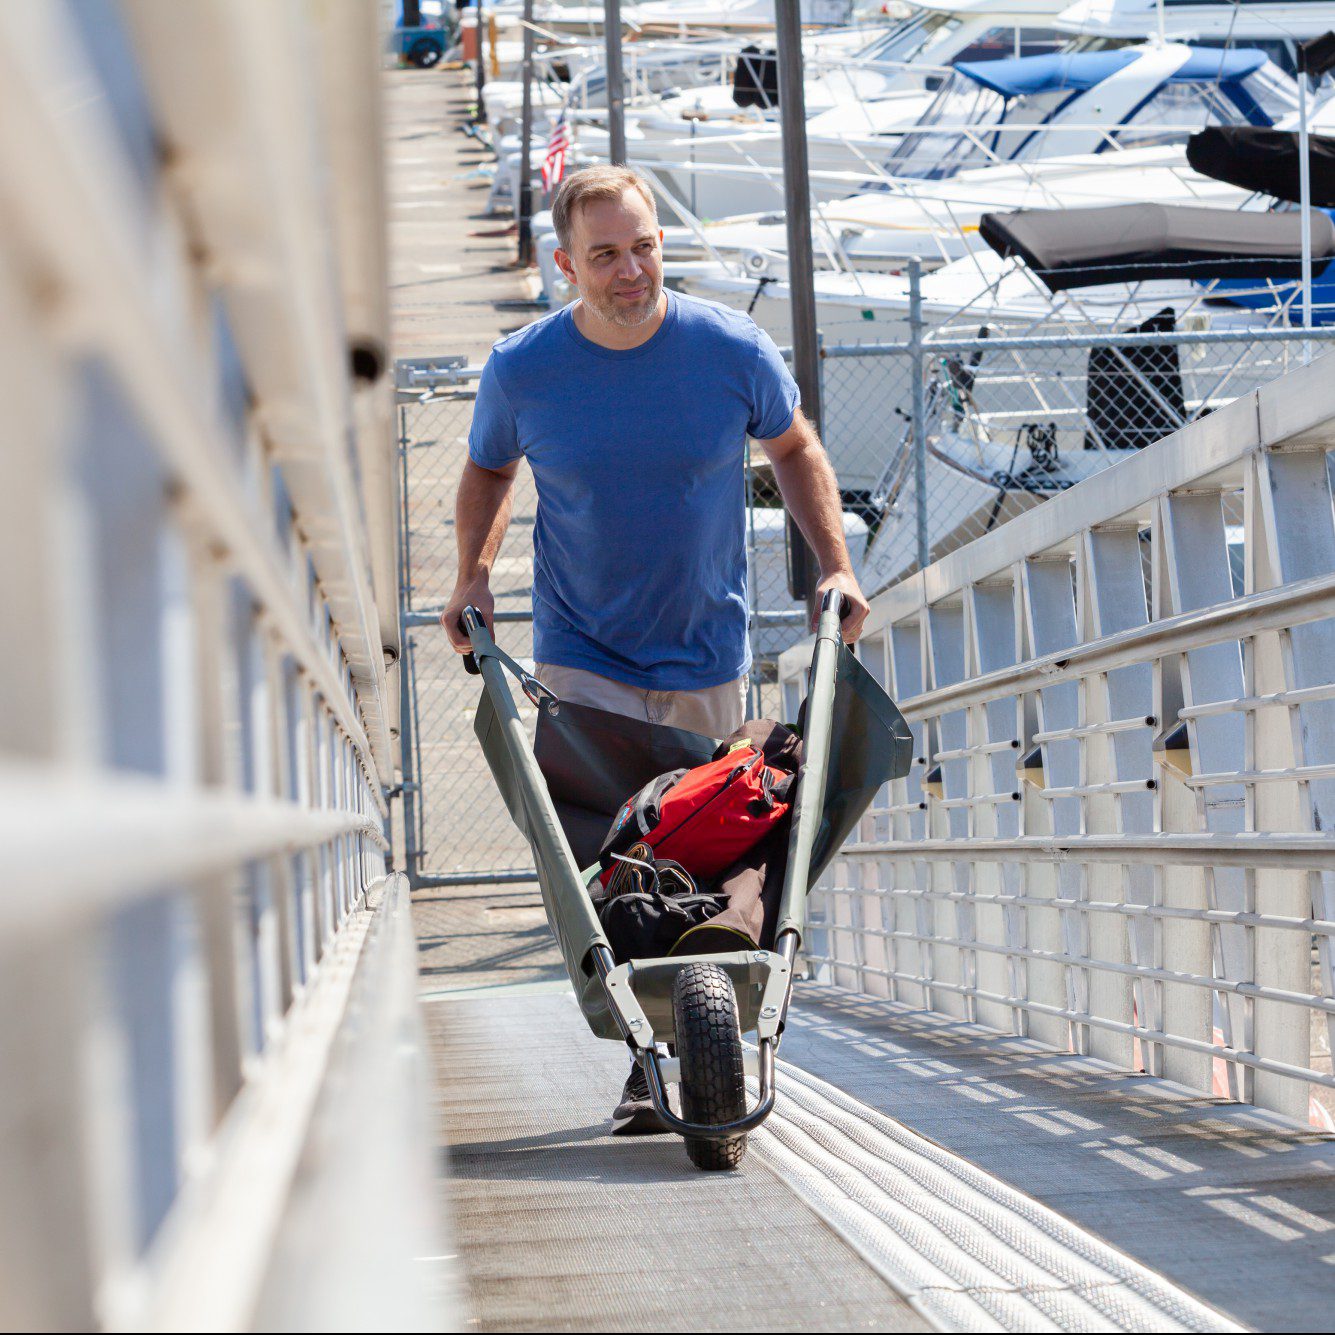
(715, 711)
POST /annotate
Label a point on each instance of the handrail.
(1117, 835)
(210, 971)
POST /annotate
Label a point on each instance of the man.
(632, 407)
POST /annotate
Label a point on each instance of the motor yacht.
(1022, 109)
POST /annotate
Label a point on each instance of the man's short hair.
(589, 184)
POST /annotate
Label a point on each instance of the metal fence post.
(919, 424)
(481, 62)
(524, 210)
(407, 685)
(801, 283)
(753, 588)
(412, 851)
(616, 96)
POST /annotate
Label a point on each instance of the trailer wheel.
(424, 53)
(709, 1046)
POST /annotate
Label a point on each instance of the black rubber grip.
(470, 659)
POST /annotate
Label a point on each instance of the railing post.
(918, 424)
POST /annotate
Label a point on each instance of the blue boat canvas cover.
(1079, 71)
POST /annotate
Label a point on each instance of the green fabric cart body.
(588, 762)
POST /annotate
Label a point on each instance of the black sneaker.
(635, 1115)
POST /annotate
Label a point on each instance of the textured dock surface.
(561, 1226)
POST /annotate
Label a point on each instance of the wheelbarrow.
(698, 1006)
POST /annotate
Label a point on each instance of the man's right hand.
(476, 594)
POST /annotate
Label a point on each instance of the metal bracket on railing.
(415, 377)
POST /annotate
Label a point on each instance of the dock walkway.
(919, 1172)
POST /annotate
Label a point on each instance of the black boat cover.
(755, 81)
(1265, 160)
(1134, 395)
(1133, 243)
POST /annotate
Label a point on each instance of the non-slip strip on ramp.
(970, 1252)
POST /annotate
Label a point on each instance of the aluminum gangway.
(212, 1090)
(1062, 1061)
(1063, 1057)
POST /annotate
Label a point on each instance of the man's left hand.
(856, 606)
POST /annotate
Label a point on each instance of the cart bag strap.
(540, 696)
(704, 818)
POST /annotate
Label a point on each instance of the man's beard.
(628, 317)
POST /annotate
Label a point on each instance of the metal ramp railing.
(1115, 838)
(203, 963)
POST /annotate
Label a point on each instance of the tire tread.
(709, 1044)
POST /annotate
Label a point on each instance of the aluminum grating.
(562, 1227)
(1226, 1201)
(551, 1212)
(970, 1251)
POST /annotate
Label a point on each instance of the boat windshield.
(912, 39)
(1006, 42)
(1261, 98)
(973, 122)
(937, 40)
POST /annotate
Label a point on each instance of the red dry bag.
(704, 818)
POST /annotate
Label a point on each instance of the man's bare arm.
(811, 493)
(481, 516)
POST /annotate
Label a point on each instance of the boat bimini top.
(1087, 102)
(1079, 71)
(1132, 243)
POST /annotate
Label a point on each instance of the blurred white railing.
(197, 530)
(1115, 836)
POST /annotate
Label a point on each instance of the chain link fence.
(457, 828)
(938, 442)
(981, 429)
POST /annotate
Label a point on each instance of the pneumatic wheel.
(709, 1047)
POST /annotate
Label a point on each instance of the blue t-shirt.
(639, 549)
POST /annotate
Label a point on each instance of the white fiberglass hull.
(972, 487)
(868, 398)
(938, 220)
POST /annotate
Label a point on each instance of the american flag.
(554, 164)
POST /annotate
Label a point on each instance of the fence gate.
(457, 831)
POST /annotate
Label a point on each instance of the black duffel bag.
(653, 908)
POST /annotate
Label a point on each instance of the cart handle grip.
(470, 620)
